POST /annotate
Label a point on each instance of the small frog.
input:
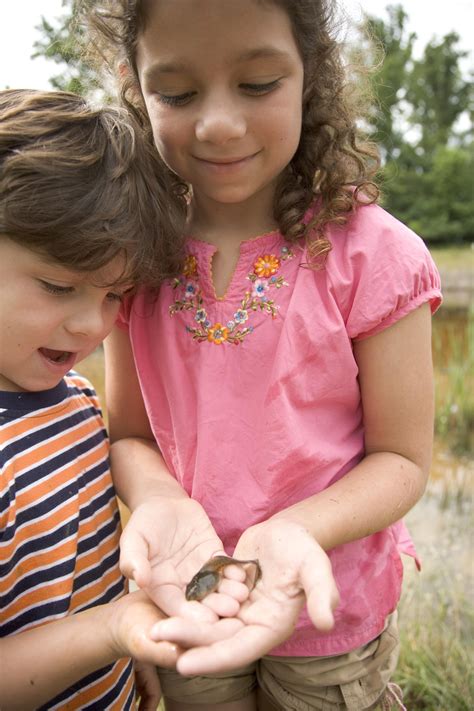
(208, 577)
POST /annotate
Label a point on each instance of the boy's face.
(50, 317)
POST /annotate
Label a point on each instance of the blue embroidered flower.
(190, 290)
(201, 315)
(241, 316)
(260, 286)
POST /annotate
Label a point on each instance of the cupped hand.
(164, 544)
(295, 571)
(129, 621)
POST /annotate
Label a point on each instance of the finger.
(188, 633)
(134, 562)
(223, 605)
(238, 590)
(244, 647)
(171, 599)
(322, 595)
(161, 653)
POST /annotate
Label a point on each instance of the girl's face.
(222, 82)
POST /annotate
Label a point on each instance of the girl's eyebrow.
(176, 67)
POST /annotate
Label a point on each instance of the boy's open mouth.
(55, 356)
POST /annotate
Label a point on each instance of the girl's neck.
(226, 225)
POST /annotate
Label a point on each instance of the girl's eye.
(258, 89)
(176, 99)
(55, 288)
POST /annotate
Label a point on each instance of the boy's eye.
(113, 296)
(175, 99)
(55, 288)
(258, 89)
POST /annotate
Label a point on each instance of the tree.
(64, 42)
(389, 82)
(437, 91)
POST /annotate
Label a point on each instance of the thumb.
(322, 595)
(134, 552)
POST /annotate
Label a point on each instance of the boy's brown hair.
(82, 185)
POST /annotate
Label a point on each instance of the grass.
(454, 383)
(455, 258)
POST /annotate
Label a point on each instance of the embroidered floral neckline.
(264, 279)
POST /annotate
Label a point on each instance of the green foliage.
(428, 171)
(64, 42)
(434, 196)
(389, 83)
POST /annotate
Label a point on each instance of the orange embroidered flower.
(190, 266)
(217, 334)
(267, 265)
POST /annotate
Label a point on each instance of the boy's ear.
(123, 70)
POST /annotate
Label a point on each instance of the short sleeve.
(380, 271)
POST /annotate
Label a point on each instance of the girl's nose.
(220, 123)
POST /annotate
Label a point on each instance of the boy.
(78, 228)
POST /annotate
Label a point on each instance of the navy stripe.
(55, 608)
(38, 577)
(105, 701)
(43, 469)
(69, 491)
(93, 574)
(49, 431)
(91, 679)
(40, 544)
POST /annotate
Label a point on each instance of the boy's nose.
(220, 123)
(88, 322)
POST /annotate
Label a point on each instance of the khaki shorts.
(354, 681)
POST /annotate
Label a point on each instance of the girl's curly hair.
(333, 164)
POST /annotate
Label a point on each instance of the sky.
(18, 19)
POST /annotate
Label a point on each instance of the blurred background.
(421, 117)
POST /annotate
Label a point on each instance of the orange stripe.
(84, 596)
(101, 687)
(37, 561)
(18, 427)
(61, 442)
(58, 588)
(84, 562)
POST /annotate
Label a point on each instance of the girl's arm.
(38, 664)
(169, 536)
(396, 381)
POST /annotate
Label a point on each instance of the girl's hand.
(295, 570)
(164, 544)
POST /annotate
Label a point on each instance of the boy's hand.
(164, 544)
(295, 570)
(148, 686)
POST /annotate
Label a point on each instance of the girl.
(274, 401)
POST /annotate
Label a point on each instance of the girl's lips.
(226, 163)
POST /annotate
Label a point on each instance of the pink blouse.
(254, 400)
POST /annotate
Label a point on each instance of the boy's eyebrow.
(175, 67)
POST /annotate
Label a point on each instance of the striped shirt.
(59, 525)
